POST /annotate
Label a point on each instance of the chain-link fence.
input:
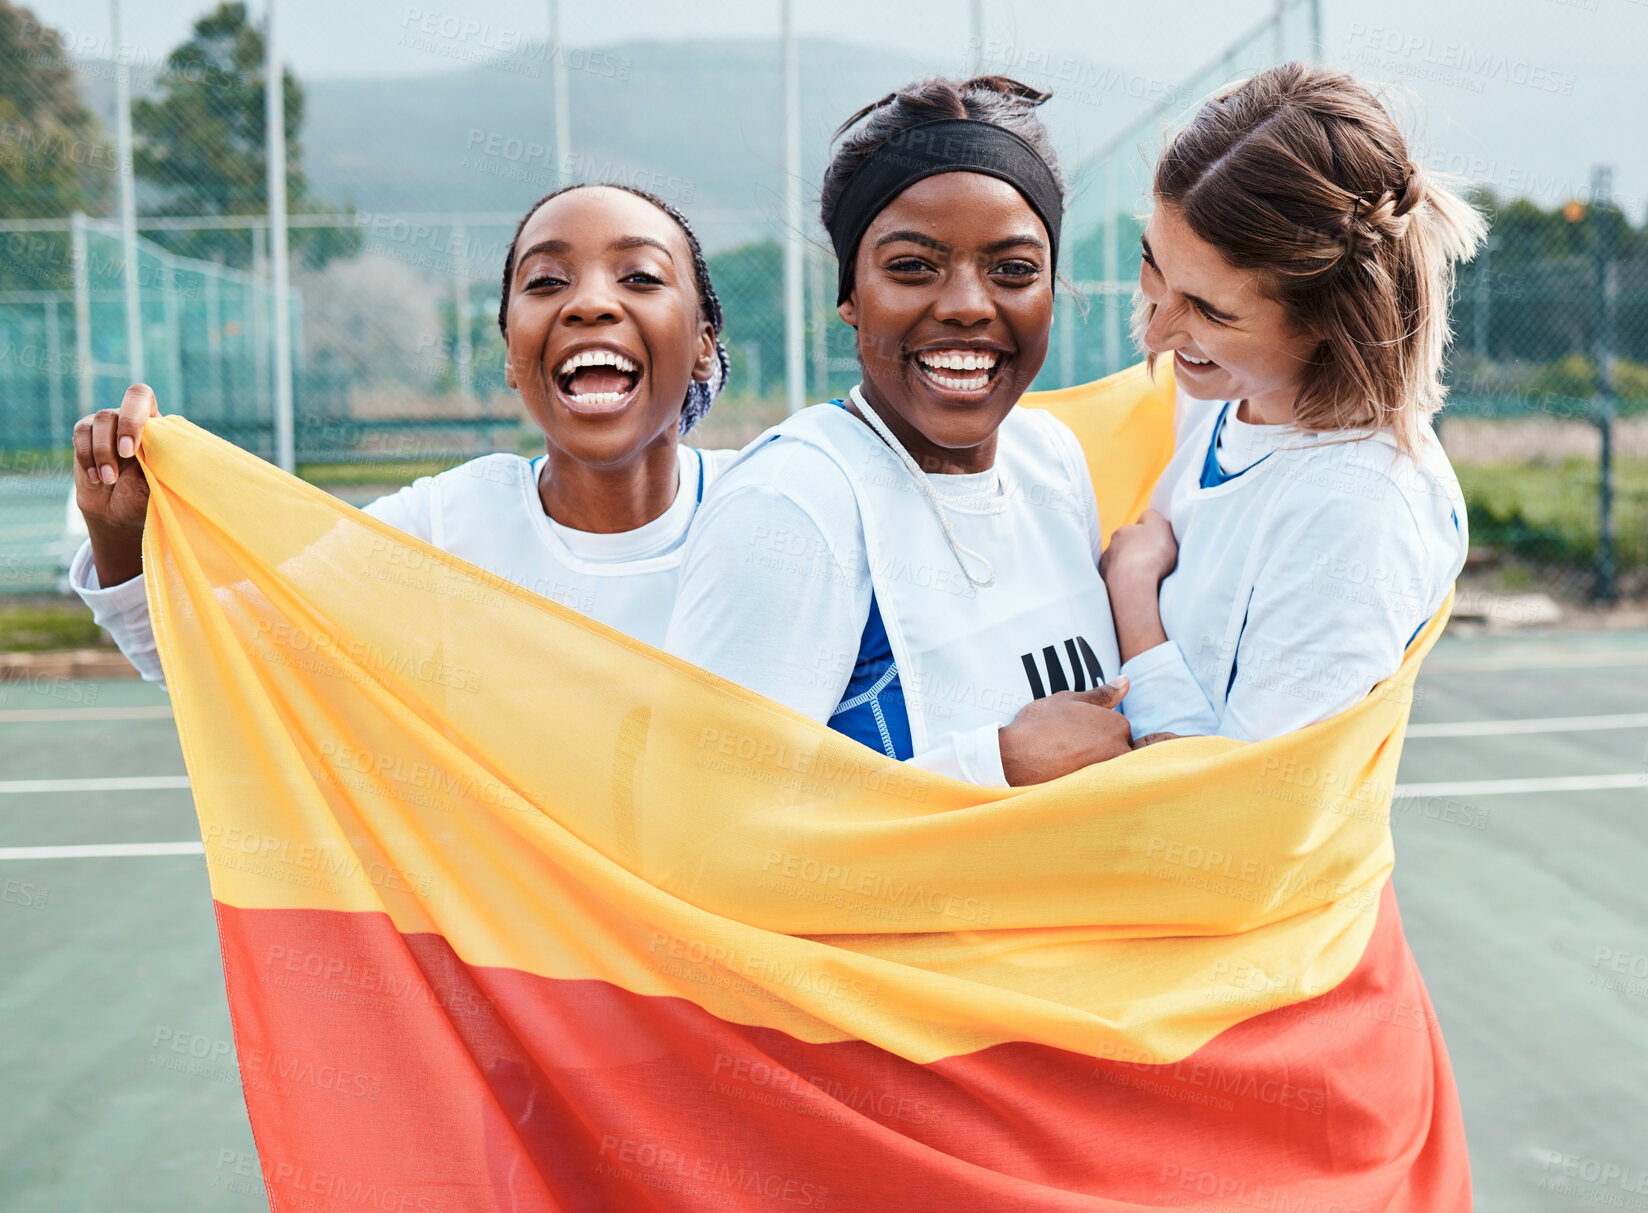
(203, 329)
(398, 364)
(1548, 417)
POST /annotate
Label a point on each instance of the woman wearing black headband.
(916, 565)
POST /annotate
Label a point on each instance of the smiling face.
(953, 300)
(1230, 340)
(604, 332)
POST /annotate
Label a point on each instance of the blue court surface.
(1521, 831)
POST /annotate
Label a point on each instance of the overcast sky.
(1524, 94)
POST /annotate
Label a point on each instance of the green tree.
(1527, 234)
(54, 158)
(201, 143)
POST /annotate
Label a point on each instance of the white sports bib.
(966, 655)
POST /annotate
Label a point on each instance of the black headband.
(950, 145)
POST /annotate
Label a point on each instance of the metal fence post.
(1605, 592)
(259, 325)
(1481, 303)
(275, 155)
(1112, 321)
(82, 314)
(558, 82)
(54, 374)
(1066, 314)
(795, 391)
(463, 350)
(821, 327)
(128, 194)
(1607, 287)
(174, 333)
(214, 344)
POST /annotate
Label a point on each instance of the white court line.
(1510, 662)
(1511, 787)
(129, 783)
(1479, 787)
(104, 850)
(48, 715)
(1547, 724)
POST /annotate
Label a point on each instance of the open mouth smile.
(959, 372)
(598, 380)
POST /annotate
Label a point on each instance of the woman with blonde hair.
(1296, 266)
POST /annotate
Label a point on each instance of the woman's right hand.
(1065, 732)
(109, 485)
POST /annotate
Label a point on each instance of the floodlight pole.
(280, 270)
(794, 319)
(128, 197)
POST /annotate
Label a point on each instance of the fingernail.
(126, 448)
(93, 476)
(1118, 682)
(107, 473)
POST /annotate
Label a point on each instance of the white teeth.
(598, 358)
(959, 384)
(956, 360)
(591, 398)
(1194, 361)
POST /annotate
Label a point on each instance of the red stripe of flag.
(405, 1079)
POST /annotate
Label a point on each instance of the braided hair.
(1301, 174)
(699, 395)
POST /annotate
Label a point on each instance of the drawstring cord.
(961, 551)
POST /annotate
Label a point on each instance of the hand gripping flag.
(518, 913)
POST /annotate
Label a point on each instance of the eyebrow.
(995, 246)
(1218, 313)
(629, 242)
(561, 247)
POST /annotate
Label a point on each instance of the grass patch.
(37, 463)
(394, 471)
(730, 425)
(42, 629)
(388, 471)
(1547, 512)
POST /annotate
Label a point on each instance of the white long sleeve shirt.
(1307, 563)
(488, 512)
(819, 575)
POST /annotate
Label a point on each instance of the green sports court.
(1521, 829)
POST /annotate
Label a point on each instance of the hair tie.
(1412, 192)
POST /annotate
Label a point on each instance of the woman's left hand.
(1145, 551)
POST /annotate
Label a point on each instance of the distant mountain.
(699, 123)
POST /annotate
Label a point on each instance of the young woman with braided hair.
(611, 327)
(1297, 267)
